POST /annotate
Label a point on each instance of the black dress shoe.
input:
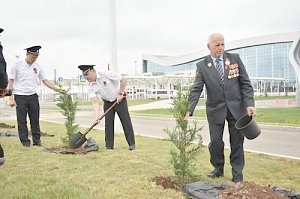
(215, 174)
(37, 144)
(2, 160)
(132, 147)
(235, 180)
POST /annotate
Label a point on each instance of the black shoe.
(2, 160)
(132, 147)
(26, 143)
(235, 180)
(215, 174)
(37, 144)
(109, 148)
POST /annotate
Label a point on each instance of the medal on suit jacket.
(233, 70)
(209, 64)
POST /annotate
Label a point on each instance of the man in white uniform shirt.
(24, 80)
(110, 87)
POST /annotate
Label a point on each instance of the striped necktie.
(220, 70)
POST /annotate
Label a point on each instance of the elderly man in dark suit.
(229, 97)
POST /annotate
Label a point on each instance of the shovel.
(78, 139)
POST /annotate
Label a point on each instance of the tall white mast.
(112, 34)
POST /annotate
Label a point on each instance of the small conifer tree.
(69, 109)
(184, 138)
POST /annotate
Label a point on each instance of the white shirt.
(221, 61)
(26, 77)
(106, 86)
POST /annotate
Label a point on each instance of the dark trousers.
(216, 147)
(122, 111)
(1, 152)
(28, 104)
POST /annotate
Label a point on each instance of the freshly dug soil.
(63, 150)
(6, 126)
(249, 190)
(245, 190)
(91, 145)
(10, 134)
(166, 182)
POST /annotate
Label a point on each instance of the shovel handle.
(100, 118)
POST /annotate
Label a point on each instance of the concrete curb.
(261, 125)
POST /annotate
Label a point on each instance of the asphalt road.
(274, 140)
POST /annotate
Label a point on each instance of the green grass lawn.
(287, 116)
(119, 173)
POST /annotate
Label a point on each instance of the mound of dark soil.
(249, 190)
(6, 126)
(90, 145)
(245, 190)
(166, 182)
(63, 150)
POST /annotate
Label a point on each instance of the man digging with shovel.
(110, 87)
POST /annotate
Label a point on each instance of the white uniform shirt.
(26, 77)
(106, 86)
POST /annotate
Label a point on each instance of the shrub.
(183, 137)
(69, 109)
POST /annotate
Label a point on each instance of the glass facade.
(268, 66)
(269, 60)
(180, 68)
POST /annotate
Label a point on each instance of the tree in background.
(184, 138)
(69, 109)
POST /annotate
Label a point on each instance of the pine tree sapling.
(69, 109)
(184, 138)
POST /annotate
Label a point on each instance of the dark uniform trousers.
(28, 104)
(122, 111)
(1, 152)
(216, 147)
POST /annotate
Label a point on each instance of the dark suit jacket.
(235, 95)
(3, 74)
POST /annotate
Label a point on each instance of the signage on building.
(60, 80)
(81, 79)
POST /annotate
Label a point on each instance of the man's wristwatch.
(121, 93)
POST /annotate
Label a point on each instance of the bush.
(69, 109)
(183, 137)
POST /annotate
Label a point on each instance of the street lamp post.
(17, 56)
(112, 33)
(135, 67)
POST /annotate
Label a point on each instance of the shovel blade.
(77, 141)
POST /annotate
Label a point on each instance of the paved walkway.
(275, 140)
(259, 104)
(153, 105)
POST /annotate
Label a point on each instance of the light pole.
(135, 67)
(112, 33)
(17, 56)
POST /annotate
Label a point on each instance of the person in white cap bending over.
(110, 87)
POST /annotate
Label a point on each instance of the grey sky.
(75, 32)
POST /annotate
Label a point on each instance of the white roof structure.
(294, 54)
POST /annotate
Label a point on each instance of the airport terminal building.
(272, 62)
